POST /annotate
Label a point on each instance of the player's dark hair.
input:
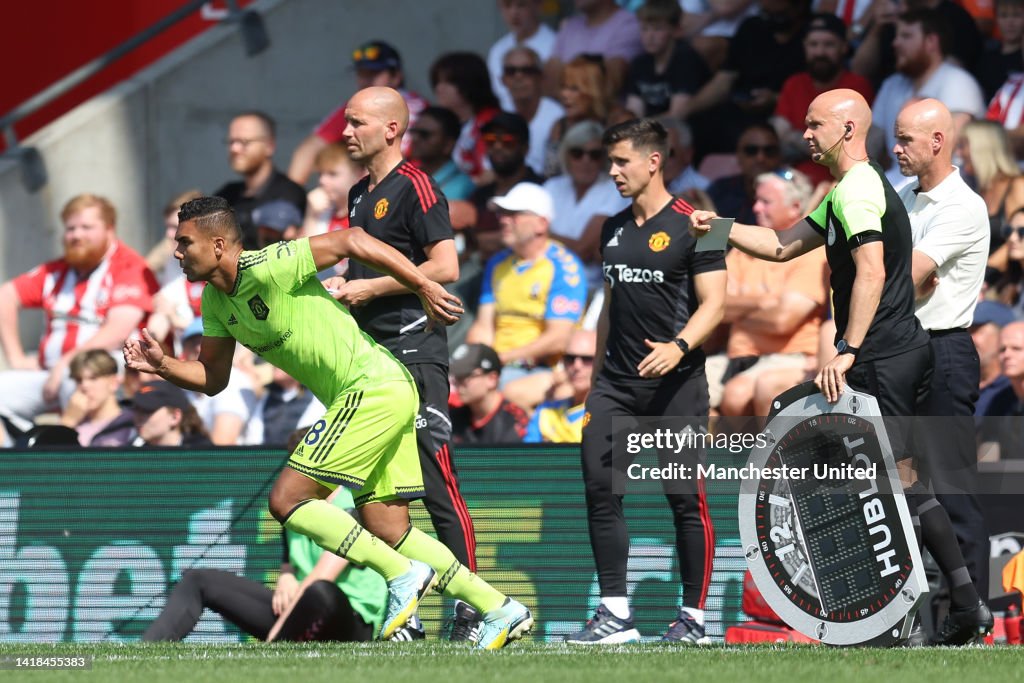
(933, 23)
(446, 118)
(211, 215)
(268, 123)
(645, 135)
(467, 71)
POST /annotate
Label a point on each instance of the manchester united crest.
(659, 241)
(380, 209)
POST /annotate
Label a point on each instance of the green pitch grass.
(528, 662)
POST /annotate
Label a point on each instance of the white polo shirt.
(950, 225)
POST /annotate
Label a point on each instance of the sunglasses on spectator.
(570, 359)
(422, 133)
(1009, 230)
(370, 53)
(754, 150)
(577, 153)
(785, 173)
(511, 70)
(506, 139)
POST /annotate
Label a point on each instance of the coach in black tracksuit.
(401, 205)
(662, 300)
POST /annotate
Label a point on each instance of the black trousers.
(322, 613)
(682, 395)
(949, 451)
(443, 500)
(900, 384)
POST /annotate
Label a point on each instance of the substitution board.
(830, 543)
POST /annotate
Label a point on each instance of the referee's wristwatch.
(844, 347)
(681, 343)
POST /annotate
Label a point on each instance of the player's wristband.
(681, 343)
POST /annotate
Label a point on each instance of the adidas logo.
(232, 320)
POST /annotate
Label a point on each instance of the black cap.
(152, 396)
(278, 215)
(826, 22)
(992, 312)
(376, 55)
(470, 357)
(508, 123)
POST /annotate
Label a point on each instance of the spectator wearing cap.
(164, 417)
(585, 196)
(93, 410)
(276, 221)
(485, 416)
(251, 142)
(522, 75)
(462, 84)
(560, 420)
(433, 140)
(375, 63)
(526, 30)
(226, 414)
(990, 317)
(532, 296)
(825, 51)
(507, 139)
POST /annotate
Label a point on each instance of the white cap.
(526, 197)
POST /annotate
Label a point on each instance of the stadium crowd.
(514, 140)
(530, 114)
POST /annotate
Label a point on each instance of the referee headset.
(818, 156)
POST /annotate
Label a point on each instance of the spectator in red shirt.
(825, 49)
(462, 84)
(94, 297)
(485, 416)
(375, 63)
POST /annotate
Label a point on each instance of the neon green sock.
(335, 530)
(455, 580)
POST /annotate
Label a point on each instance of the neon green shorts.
(366, 441)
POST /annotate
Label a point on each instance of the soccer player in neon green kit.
(271, 302)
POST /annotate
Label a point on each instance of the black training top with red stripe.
(650, 269)
(408, 211)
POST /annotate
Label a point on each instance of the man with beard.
(251, 143)
(923, 70)
(825, 49)
(94, 297)
(507, 137)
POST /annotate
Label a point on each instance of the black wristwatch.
(844, 347)
(681, 343)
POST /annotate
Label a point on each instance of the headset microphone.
(818, 156)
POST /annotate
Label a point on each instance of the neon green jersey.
(282, 313)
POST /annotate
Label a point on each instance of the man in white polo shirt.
(949, 223)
